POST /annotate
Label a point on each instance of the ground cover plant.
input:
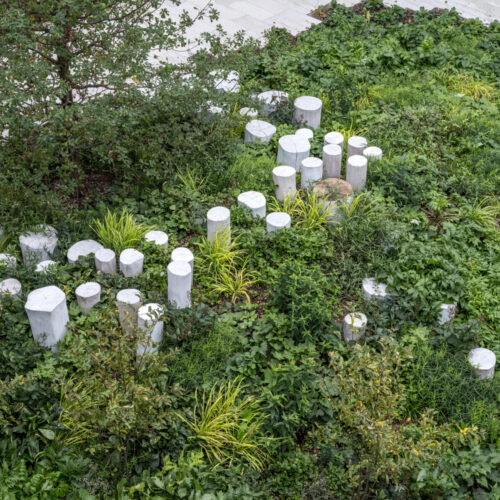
(252, 392)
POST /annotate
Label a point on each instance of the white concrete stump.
(48, 315)
(10, 286)
(356, 145)
(183, 254)
(45, 266)
(447, 313)
(271, 100)
(259, 131)
(483, 361)
(83, 248)
(218, 219)
(292, 149)
(226, 84)
(148, 322)
(335, 138)
(105, 261)
(254, 201)
(356, 169)
(158, 237)
(306, 133)
(373, 290)
(354, 326)
(249, 112)
(332, 160)
(131, 262)
(372, 153)
(38, 246)
(8, 260)
(308, 111)
(129, 301)
(277, 220)
(311, 172)
(179, 284)
(285, 178)
(88, 295)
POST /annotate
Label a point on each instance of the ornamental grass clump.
(227, 426)
(119, 232)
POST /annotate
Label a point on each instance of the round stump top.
(333, 189)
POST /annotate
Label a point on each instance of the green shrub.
(299, 291)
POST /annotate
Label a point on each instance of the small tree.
(58, 52)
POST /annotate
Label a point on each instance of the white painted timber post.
(285, 178)
(257, 131)
(276, 221)
(311, 172)
(356, 145)
(88, 295)
(254, 201)
(129, 301)
(308, 111)
(292, 149)
(483, 361)
(218, 220)
(356, 170)
(354, 326)
(332, 160)
(179, 284)
(149, 323)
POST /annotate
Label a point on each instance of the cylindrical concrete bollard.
(356, 145)
(183, 254)
(129, 301)
(277, 220)
(292, 149)
(447, 313)
(335, 138)
(254, 201)
(249, 112)
(38, 246)
(373, 290)
(131, 262)
(105, 261)
(83, 248)
(218, 219)
(7, 260)
(306, 133)
(10, 286)
(88, 295)
(259, 131)
(308, 111)
(158, 237)
(271, 100)
(372, 153)
(356, 169)
(149, 323)
(179, 284)
(311, 172)
(48, 315)
(45, 266)
(285, 178)
(354, 326)
(483, 361)
(332, 160)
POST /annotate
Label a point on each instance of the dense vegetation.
(253, 394)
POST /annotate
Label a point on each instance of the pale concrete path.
(256, 16)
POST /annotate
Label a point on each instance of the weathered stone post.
(48, 315)
(218, 219)
(311, 172)
(88, 295)
(271, 99)
(158, 237)
(254, 201)
(356, 145)
(259, 131)
(83, 248)
(179, 284)
(356, 169)
(483, 361)
(129, 301)
(183, 254)
(332, 160)
(131, 263)
(38, 246)
(11, 286)
(372, 153)
(149, 323)
(306, 133)
(276, 221)
(335, 138)
(354, 326)
(105, 261)
(373, 290)
(284, 178)
(308, 111)
(292, 149)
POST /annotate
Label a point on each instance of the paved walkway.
(255, 16)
